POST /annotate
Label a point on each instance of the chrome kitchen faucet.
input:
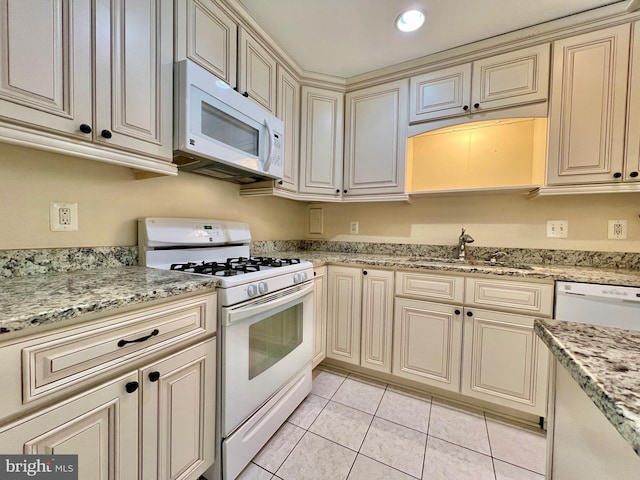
(462, 241)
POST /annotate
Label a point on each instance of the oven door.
(265, 342)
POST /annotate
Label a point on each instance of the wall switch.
(557, 228)
(617, 229)
(63, 217)
(355, 228)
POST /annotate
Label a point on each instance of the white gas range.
(265, 324)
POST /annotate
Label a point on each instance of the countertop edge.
(626, 423)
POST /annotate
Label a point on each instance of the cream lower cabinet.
(504, 360)
(320, 315)
(427, 343)
(359, 316)
(132, 394)
(100, 426)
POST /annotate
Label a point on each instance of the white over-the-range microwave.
(220, 133)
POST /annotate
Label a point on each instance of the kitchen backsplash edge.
(15, 263)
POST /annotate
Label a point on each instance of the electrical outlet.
(557, 228)
(355, 227)
(63, 217)
(617, 229)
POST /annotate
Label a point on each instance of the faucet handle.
(495, 256)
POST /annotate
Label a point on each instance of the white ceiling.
(349, 37)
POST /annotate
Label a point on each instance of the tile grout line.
(426, 443)
(493, 462)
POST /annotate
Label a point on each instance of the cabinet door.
(632, 152)
(53, 37)
(289, 112)
(377, 319)
(100, 426)
(344, 297)
(504, 361)
(134, 74)
(443, 93)
(178, 414)
(587, 111)
(208, 36)
(376, 139)
(321, 133)
(427, 343)
(256, 71)
(320, 316)
(513, 78)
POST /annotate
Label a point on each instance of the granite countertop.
(611, 276)
(605, 362)
(30, 301)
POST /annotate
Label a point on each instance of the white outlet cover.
(54, 217)
(355, 228)
(617, 230)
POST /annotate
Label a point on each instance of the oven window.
(228, 130)
(273, 338)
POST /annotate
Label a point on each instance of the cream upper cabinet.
(632, 152)
(587, 111)
(100, 426)
(377, 315)
(208, 36)
(320, 315)
(55, 37)
(112, 89)
(288, 110)
(509, 79)
(427, 343)
(257, 74)
(134, 72)
(504, 361)
(321, 130)
(344, 308)
(375, 139)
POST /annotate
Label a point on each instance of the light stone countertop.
(605, 362)
(609, 276)
(38, 300)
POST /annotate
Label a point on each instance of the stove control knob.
(263, 287)
(303, 276)
(252, 290)
(296, 278)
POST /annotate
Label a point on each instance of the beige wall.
(110, 200)
(492, 220)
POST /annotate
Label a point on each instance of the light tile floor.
(356, 429)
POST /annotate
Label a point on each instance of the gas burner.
(271, 262)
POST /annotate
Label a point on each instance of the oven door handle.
(242, 313)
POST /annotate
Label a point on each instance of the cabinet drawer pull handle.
(105, 134)
(617, 175)
(245, 94)
(633, 174)
(476, 105)
(155, 332)
(84, 128)
(131, 387)
(469, 314)
(456, 311)
(465, 108)
(154, 376)
(337, 190)
(364, 272)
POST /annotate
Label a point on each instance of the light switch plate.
(557, 229)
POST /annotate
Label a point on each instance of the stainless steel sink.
(471, 263)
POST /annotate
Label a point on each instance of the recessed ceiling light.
(410, 20)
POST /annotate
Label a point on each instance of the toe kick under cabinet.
(132, 394)
(473, 335)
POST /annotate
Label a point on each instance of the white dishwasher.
(607, 305)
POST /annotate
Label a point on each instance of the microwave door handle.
(267, 164)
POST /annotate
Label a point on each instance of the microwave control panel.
(277, 150)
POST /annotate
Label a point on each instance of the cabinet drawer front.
(528, 297)
(429, 286)
(73, 358)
